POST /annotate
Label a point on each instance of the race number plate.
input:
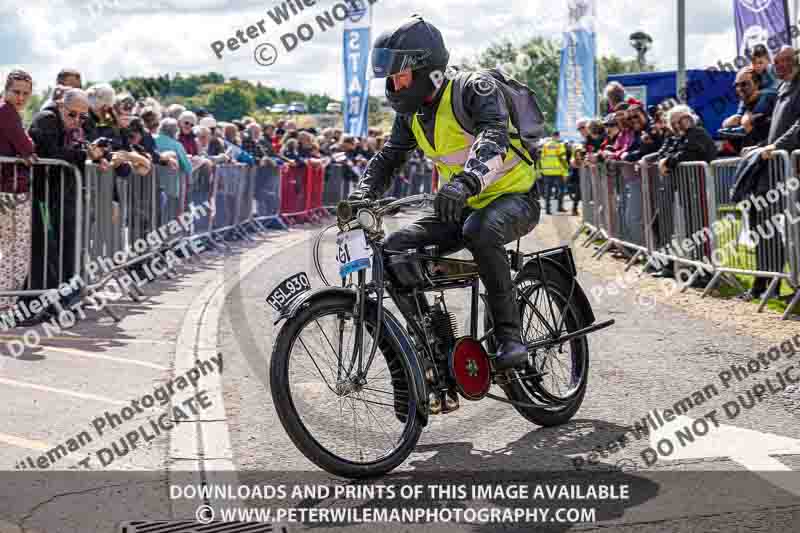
(288, 290)
(353, 253)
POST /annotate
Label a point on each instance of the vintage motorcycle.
(353, 386)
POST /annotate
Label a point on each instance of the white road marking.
(21, 442)
(750, 448)
(44, 388)
(85, 339)
(90, 355)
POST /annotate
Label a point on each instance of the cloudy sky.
(106, 39)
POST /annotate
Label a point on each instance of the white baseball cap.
(208, 122)
(188, 116)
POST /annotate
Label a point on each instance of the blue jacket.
(168, 144)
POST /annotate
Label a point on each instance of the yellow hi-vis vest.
(452, 149)
(554, 157)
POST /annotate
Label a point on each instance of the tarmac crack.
(51, 499)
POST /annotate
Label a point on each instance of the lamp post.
(641, 42)
(681, 75)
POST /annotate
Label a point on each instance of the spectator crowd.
(127, 136)
(767, 119)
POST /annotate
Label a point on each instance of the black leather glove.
(452, 197)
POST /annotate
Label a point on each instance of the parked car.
(297, 107)
(334, 107)
(279, 108)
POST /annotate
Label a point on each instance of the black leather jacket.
(491, 138)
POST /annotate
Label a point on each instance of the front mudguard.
(397, 335)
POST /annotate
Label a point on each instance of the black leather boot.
(511, 351)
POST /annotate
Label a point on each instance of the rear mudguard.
(395, 333)
(548, 264)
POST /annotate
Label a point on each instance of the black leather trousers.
(484, 232)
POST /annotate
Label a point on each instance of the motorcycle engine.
(443, 328)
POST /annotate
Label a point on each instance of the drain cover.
(190, 526)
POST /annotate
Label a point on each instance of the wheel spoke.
(316, 365)
(366, 427)
(383, 429)
(543, 309)
(338, 354)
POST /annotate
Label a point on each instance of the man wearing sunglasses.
(755, 110)
(485, 201)
(53, 132)
(50, 129)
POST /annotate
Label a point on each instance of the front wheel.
(348, 423)
(553, 383)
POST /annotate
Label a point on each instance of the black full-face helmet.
(415, 45)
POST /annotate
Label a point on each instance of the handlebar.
(346, 210)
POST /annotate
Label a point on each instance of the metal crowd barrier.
(268, 197)
(624, 209)
(337, 187)
(692, 242)
(57, 211)
(121, 213)
(89, 231)
(294, 188)
(688, 218)
(200, 192)
(766, 222)
(596, 181)
(244, 201)
(793, 237)
(588, 200)
(315, 184)
(233, 195)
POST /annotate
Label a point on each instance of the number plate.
(353, 253)
(288, 290)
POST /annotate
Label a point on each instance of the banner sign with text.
(577, 84)
(356, 55)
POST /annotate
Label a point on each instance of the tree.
(185, 86)
(229, 102)
(535, 63)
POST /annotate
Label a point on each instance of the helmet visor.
(387, 62)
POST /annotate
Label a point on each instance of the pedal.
(434, 404)
(451, 402)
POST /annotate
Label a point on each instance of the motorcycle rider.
(486, 199)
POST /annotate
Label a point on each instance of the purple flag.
(761, 22)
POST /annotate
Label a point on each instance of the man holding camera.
(53, 132)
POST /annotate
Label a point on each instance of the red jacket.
(189, 143)
(14, 142)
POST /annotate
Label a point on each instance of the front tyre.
(348, 426)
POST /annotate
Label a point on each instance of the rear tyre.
(555, 383)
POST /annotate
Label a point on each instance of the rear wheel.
(347, 424)
(554, 381)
